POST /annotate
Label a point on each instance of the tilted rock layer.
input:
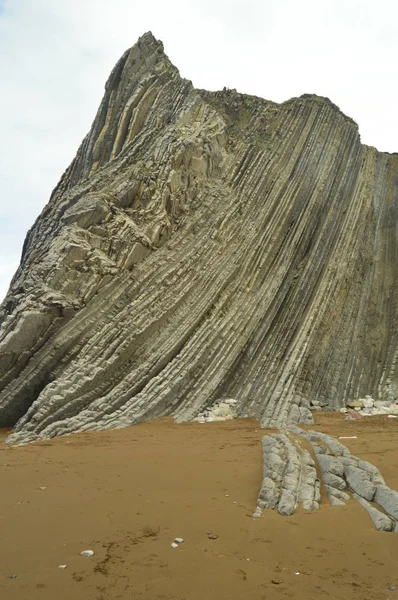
(204, 245)
(290, 478)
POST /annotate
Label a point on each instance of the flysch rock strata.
(290, 478)
(204, 245)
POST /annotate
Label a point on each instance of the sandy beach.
(127, 494)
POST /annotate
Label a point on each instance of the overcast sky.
(55, 56)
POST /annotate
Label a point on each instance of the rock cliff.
(204, 245)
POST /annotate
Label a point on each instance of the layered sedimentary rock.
(204, 245)
(290, 478)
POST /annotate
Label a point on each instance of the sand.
(127, 494)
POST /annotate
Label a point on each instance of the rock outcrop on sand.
(204, 245)
(290, 477)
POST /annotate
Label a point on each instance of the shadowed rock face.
(204, 245)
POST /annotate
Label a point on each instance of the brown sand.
(127, 494)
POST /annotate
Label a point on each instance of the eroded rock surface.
(204, 245)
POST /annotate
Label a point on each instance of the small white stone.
(87, 553)
(179, 540)
(174, 545)
(368, 402)
(61, 566)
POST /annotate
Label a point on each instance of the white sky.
(55, 56)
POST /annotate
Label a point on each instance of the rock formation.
(290, 478)
(204, 245)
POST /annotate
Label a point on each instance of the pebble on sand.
(87, 553)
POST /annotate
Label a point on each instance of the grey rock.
(388, 499)
(332, 445)
(368, 402)
(334, 481)
(331, 491)
(359, 482)
(88, 210)
(330, 464)
(381, 521)
(373, 471)
(290, 476)
(320, 449)
(269, 494)
(334, 501)
(287, 503)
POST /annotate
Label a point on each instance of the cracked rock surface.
(204, 245)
